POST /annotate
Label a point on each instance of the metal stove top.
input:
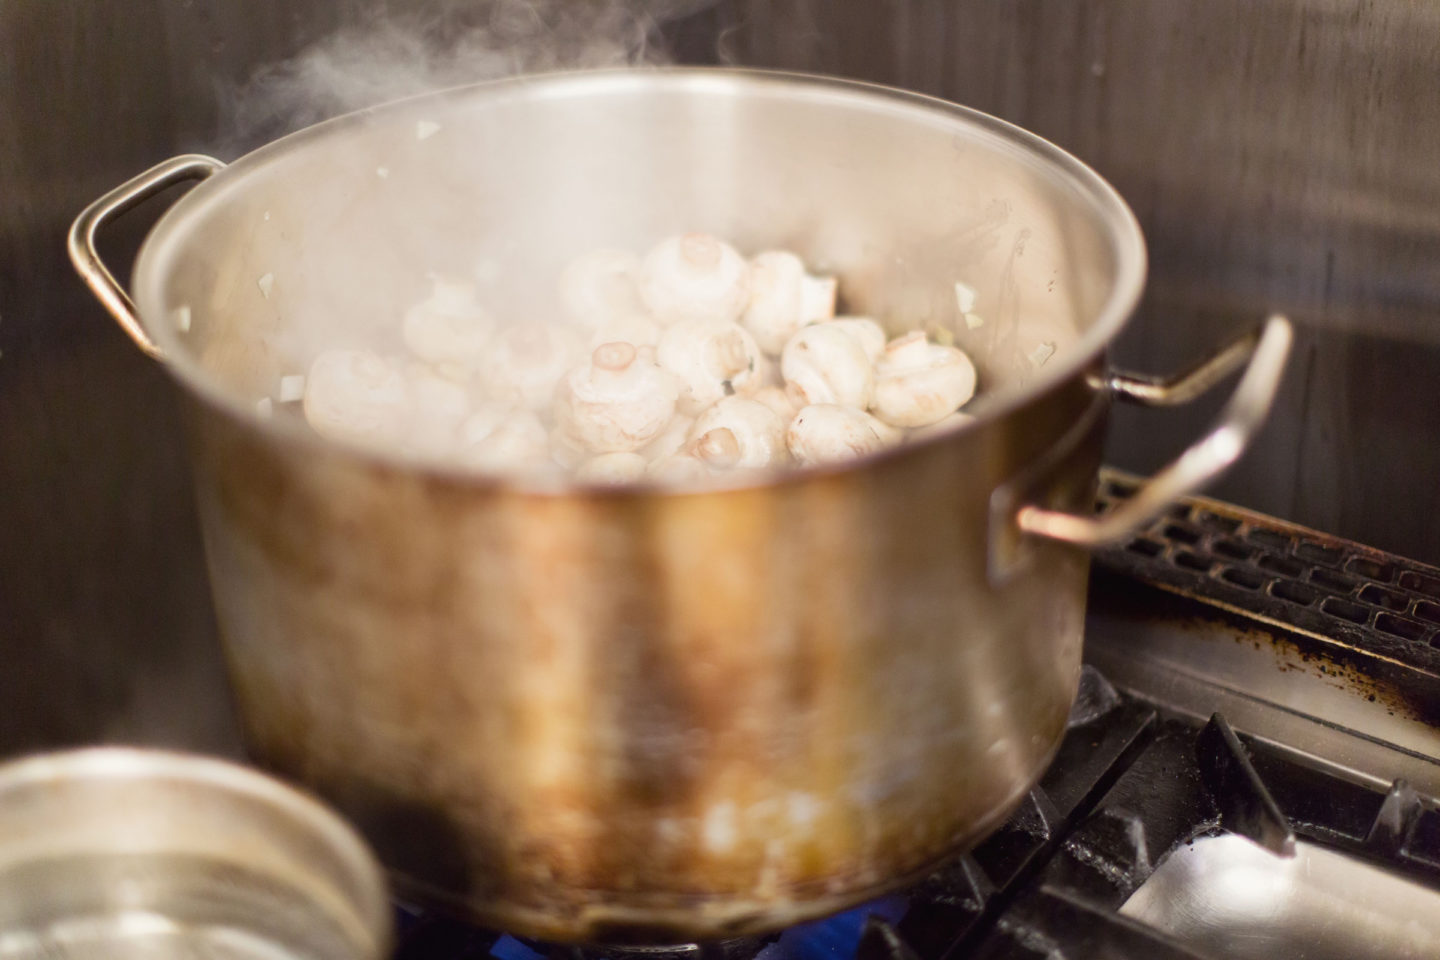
(1250, 770)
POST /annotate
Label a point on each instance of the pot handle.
(1267, 349)
(191, 166)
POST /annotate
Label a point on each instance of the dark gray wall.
(1280, 155)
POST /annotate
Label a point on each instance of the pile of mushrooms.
(684, 365)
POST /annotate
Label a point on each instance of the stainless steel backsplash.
(1280, 156)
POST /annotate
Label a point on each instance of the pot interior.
(324, 238)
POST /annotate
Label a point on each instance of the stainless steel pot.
(590, 714)
(135, 854)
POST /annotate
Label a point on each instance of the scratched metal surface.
(1279, 155)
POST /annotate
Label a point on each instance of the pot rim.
(1123, 229)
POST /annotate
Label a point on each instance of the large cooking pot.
(593, 714)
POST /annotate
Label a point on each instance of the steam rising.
(409, 282)
(465, 41)
(420, 223)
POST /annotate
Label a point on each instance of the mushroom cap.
(600, 287)
(678, 469)
(613, 468)
(670, 440)
(748, 428)
(783, 298)
(830, 433)
(869, 334)
(919, 383)
(566, 451)
(527, 361)
(777, 400)
(636, 328)
(438, 405)
(448, 327)
(615, 403)
(694, 277)
(711, 361)
(515, 443)
(356, 395)
(483, 421)
(824, 363)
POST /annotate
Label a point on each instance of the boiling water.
(129, 907)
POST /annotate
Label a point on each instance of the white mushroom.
(694, 277)
(617, 402)
(636, 328)
(438, 405)
(738, 432)
(677, 469)
(483, 422)
(719, 449)
(356, 395)
(565, 451)
(866, 332)
(711, 360)
(450, 327)
(601, 287)
(671, 440)
(824, 363)
(918, 382)
(613, 468)
(514, 443)
(829, 433)
(783, 298)
(946, 424)
(527, 361)
(778, 400)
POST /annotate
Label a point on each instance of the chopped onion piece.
(964, 297)
(292, 388)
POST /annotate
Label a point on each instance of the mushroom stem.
(615, 356)
(718, 448)
(731, 357)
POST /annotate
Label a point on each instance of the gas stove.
(1250, 770)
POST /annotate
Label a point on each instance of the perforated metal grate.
(1286, 574)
